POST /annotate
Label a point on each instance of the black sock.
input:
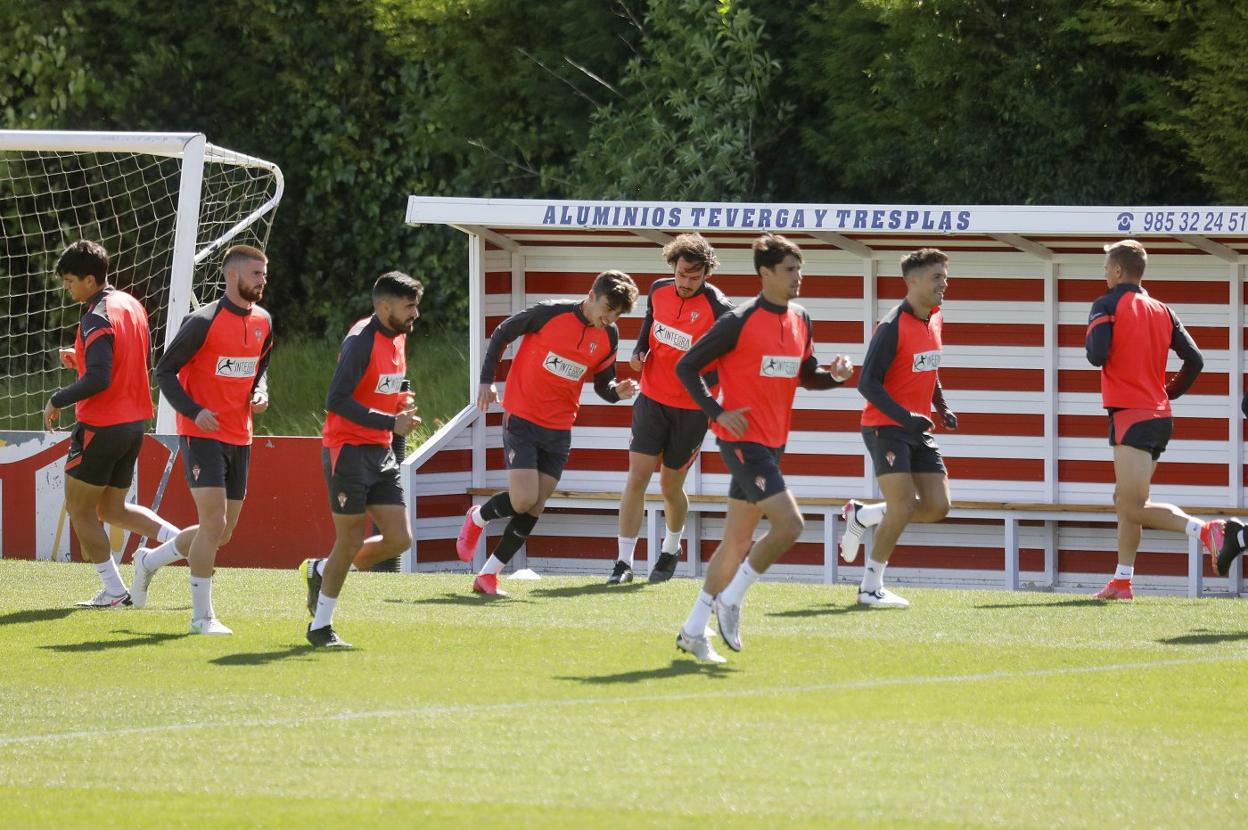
(498, 507)
(514, 535)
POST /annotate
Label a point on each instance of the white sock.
(1193, 528)
(166, 533)
(319, 567)
(734, 594)
(695, 626)
(493, 565)
(1124, 571)
(111, 577)
(627, 546)
(671, 541)
(873, 576)
(162, 555)
(871, 514)
(324, 611)
(201, 598)
(475, 513)
(1243, 537)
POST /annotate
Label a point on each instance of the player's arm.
(604, 377)
(942, 408)
(357, 351)
(642, 347)
(189, 340)
(810, 375)
(520, 323)
(1100, 333)
(880, 355)
(260, 387)
(97, 335)
(1193, 361)
(719, 340)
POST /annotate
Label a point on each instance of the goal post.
(165, 205)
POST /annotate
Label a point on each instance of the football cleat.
(469, 535)
(487, 584)
(699, 647)
(728, 618)
(882, 598)
(212, 626)
(325, 637)
(1212, 535)
(623, 573)
(105, 600)
(1115, 589)
(664, 567)
(310, 575)
(854, 530)
(1231, 547)
(142, 578)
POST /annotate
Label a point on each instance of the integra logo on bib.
(926, 361)
(389, 384)
(237, 367)
(675, 338)
(779, 366)
(562, 367)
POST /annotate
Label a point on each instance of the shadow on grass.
(823, 610)
(1205, 637)
(678, 668)
(148, 639)
(457, 599)
(1066, 603)
(583, 590)
(262, 658)
(37, 615)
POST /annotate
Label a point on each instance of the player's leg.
(520, 453)
(684, 443)
(646, 440)
(211, 509)
(95, 459)
(901, 500)
(739, 524)
(81, 502)
(349, 529)
(883, 450)
(632, 510)
(393, 536)
(932, 504)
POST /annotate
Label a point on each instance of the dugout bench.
(1010, 514)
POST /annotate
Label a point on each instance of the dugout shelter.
(1030, 468)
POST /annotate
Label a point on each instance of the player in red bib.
(368, 413)
(213, 374)
(900, 380)
(764, 350)
(112, 401)
(1129, 336)
(566, 342)
(668, 427)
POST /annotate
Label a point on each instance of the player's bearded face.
(252, 280)
(599, 313)
(689, 277)
(401, 315)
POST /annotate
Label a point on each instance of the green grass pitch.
(567, 704)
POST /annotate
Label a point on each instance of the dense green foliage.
(363, 102)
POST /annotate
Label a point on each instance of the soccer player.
(565, 343)
(213, 374)
(1129, 335)
(112, 403)
(668, 427)
(901, 383)
(367, 406)
(765, 350)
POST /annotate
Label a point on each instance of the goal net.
(165, 206)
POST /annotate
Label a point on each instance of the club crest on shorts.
(760, 483)
(342, 499)
(890, 457)
(511, 456)
(195, 471)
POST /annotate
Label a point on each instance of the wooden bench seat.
(829, 507)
